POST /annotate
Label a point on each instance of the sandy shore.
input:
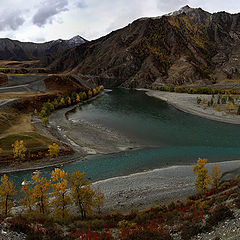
(187, 103)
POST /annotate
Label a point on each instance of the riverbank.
(87, 137)
(187, 103)
(154, 187)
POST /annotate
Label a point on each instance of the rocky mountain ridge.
(25, 51)
(187, 47)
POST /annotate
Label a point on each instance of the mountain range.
(188, 47)
(24, 51)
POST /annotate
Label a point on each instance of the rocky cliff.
(187, 47)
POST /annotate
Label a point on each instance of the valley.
(134, 110)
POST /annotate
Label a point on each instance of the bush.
(220, 213)
(146, 235)
(190, 230)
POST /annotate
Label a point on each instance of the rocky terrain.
(24, 51)
(187, 47)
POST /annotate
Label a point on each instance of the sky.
(45, 20)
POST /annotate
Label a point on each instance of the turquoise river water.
(167, 136)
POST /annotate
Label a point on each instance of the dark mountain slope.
(24, 51)
(187, 47)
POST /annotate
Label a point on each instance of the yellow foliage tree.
(53, 150)
(82, 193)
(232, 106)
(216, 176)
(203, 178)
(227, 106)
(27, 200)
(0, 150)
(218, 108)
(78, 98)
(44, 121)
(61, 198)
(84, 95)
(39, 195)
(19, 149)
(7, 190)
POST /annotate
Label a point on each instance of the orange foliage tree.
(61, 199)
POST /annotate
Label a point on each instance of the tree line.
(64, 189)
(66, 101)
(205, 90)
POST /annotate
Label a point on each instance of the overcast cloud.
(36, 20)
(48, 9)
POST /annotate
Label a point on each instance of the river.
(166, 135)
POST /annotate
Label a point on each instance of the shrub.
(220, 213)
(146, 235)
(190, 230)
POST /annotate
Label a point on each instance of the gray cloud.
(81, 4)
(11, 20)
(48, 10)
(171, 5)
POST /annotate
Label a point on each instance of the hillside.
(187, 47)
(24, 51)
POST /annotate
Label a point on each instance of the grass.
(25, 94)
(32, 141)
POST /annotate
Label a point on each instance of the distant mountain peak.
(76, 40)
(185, 9)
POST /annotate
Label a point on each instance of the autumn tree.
(94, 91)
(216, 176)
(84, 96)
(89, 93)
(7, 190)
(40, 187)
(61, 199)
(203, 178)
(19, 149)
(232, 106)
(28, 199)
(69, 101)
(0, 150)
(98, 199)
(78, 98)
(53, 150)
(82, 193)
(227, 106)
(44, 120)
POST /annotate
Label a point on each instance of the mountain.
(187, 47)
(24, 51)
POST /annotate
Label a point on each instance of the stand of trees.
(66, 101)
(63, 188)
